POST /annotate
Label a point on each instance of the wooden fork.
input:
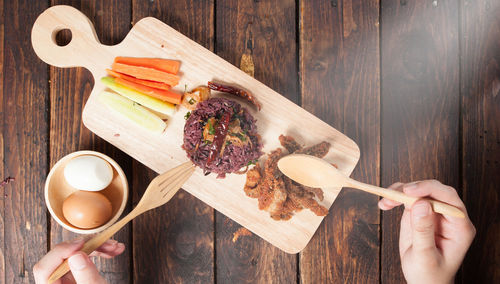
(160, 191)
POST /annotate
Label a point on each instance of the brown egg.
(87, 209)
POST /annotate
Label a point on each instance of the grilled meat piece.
(278, 194)
(289, 143)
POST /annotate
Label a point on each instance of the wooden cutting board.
(152, 38)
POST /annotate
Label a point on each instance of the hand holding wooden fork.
(160, 191)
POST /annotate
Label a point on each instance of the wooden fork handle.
(92, 244)
(437, 206)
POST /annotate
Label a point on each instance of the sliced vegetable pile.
(142, 90)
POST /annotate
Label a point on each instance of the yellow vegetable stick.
(138, 97)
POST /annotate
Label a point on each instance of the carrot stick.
(163, 95)
(152, 84)
(146, 73)
(167, 65)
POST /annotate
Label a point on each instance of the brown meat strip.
(305, 199)
(268, 182)
(253, 179)
(289, 143)
(319, 150)
(317, 191)
(279, 197)
(265, 197)
(271, 165)
(310, 204)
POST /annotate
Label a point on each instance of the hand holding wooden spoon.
(315, 172)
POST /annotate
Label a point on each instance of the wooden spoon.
(315, 172)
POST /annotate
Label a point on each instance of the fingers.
(405, 232)
(84, 270)
(387, 204)
(109, 249)
(436, 190)
(54, 258)
(422, 221)
(447, 194)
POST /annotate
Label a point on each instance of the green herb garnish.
(187, 115)
(211, 129)
(252, 162)
(191, 101)
(239, 135)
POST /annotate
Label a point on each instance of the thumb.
(84, 270)
(422, 219)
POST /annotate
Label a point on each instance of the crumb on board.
(6, 181)
(240, 233)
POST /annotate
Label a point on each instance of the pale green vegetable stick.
(132, 111)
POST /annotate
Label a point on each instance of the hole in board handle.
(62, 37)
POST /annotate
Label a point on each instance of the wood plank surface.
(423, 105)
(25, 142)
(480, 88)
(175, 243)
(262, 33)
(152, 38)
(420, 105)
(2, 172)
(69, 91)
(340, 84)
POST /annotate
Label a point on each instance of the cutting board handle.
(83, 44)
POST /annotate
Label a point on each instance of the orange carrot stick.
(152, 84)
(167, 65)
(163, 95)
(146, 73)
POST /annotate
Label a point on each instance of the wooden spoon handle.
(437, 206)
(92, 244)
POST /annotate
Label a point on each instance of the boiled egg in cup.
(88, 172)
(86, 192)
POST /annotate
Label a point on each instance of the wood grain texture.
(263, 32)
(199, 66)
(25, 139)
(340, 84)
(180, 247)
(69, 91)
(420, 105)
(2, 172)
(480, 88)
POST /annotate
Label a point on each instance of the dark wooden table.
(415, 83)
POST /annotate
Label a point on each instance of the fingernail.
(121, 246)
(77, 262)
(380, 205)
(410, 186)
(420, 209)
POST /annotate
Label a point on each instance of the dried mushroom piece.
(197, 95)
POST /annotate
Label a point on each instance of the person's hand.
(82, 268)
(432, 246)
